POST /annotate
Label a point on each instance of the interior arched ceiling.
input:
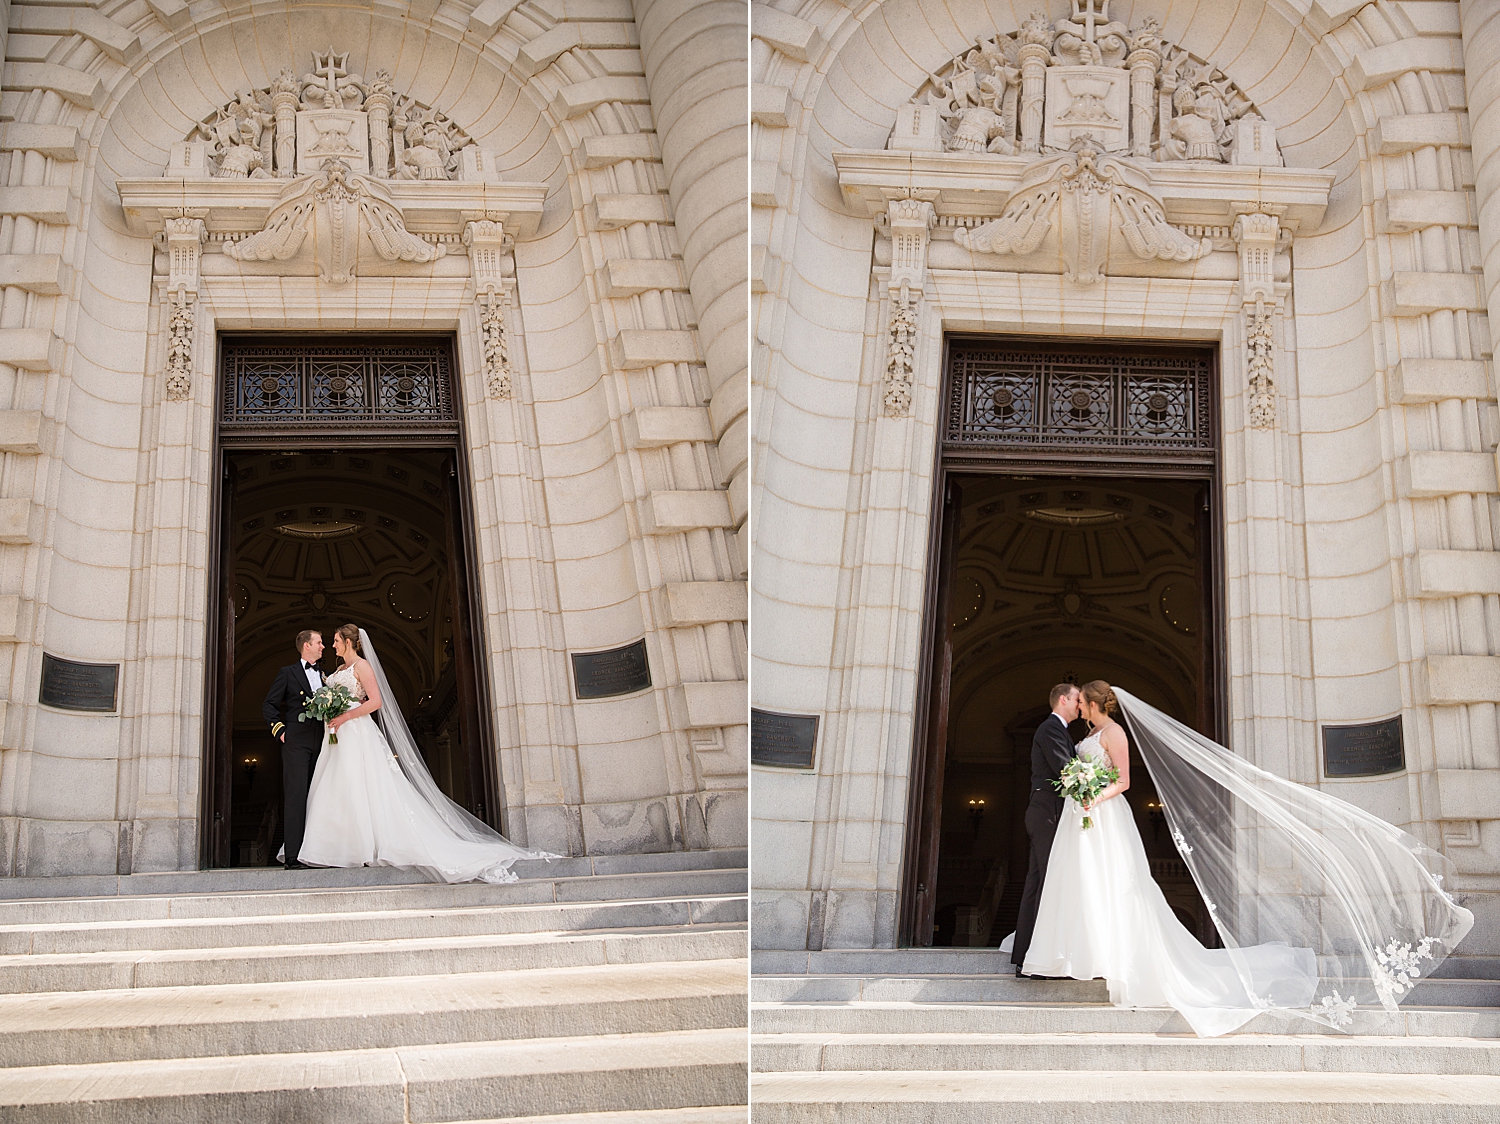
(322, 538)
(1089, 578)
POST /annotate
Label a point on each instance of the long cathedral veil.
(1280, 862)
(409, 757)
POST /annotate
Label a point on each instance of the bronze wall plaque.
(69, 685)
(1366, 750)
(786, 741)
(619, 671)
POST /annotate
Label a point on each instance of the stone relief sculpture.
(345, 210)
(1098, 194)
(1046, 86)
(287, 128)
(1089, 114)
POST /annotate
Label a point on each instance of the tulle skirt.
(362, 811)
(1102, 915)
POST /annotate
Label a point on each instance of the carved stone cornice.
(979, 186)
(243, 206)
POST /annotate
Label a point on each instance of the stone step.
(1088, 1018)
(282, 901)
(368, 924)
(1439, 992)
(364, 1014)
(1105, 1052)
(464, 1081)
(426, 956)
(242, 879)
(1122, 1098)
(924, 989)
(726, 1114)
(883, 962)
(1469, 968)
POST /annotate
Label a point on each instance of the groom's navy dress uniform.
(1051, 749)
(299, 752)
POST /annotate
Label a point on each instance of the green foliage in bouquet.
(328, 702)
(1084, 778)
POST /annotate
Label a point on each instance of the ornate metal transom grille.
(336, 384)
(1016, 397)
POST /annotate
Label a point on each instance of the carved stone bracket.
(183, 235)
(1257, 232)
(488, 258)
(910, 221)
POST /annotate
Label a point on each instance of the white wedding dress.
(363, 810)
(1102, 915)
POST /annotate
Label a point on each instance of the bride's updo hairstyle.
(350, 633)
(1100, 693)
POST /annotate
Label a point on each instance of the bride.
(372, 801)
(1321, 906)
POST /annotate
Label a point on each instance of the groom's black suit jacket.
(1051, 749)
(286, 699)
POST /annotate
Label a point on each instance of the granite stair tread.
(1054, 1097)
(89, 971)
(369, 1013)
(436, 1083)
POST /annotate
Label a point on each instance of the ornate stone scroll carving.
(1045, 87)
(487, 245)
(180, 348)
(1256, 233)
(497, 369)
(345, 212)
(910, 222)
(1261, 363)
(294, 125)
(1095, 195)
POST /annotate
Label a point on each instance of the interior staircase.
(927, 1035)
(608, 990)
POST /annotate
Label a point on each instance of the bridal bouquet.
(328, 702)
(1084, 778)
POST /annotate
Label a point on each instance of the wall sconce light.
(250, 763)
(976, 812)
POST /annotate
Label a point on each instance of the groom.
(1051, 748)
(300, 741)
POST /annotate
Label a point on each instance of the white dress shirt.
(314, 677)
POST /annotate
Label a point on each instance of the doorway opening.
(1078, 541)
(321, 522)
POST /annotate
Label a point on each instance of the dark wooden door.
(933, 759)
(1208, 633)
(473, 718)
(218, 776)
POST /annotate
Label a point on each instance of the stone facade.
(1312, 188)
(560, 185)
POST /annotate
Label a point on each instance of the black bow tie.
(310, 666)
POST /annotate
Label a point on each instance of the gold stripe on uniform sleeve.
(277, 728)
